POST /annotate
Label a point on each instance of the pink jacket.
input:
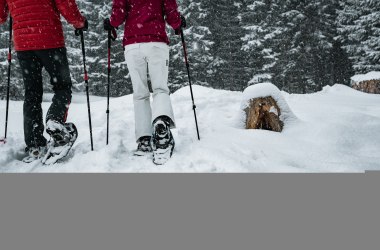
(145, 19)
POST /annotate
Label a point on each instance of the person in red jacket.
(39, 43)
(146, 49)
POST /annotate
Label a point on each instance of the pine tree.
(304, 45)
(299, 45)
(228, 68)
(198, 42)
(342, 69)
(370, 26)
(256, 44)
(359, 30)
(96, 53)
(16, 85)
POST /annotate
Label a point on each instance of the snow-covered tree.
(198, 40)
(228, 68)
(304, 45)
(96, 52)
(255, 41)
(359, 29)
(16, 86)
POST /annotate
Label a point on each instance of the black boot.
(34, 153)
(63, 137)
(143, 146)
(162, 140)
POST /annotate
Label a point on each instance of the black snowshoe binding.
(63, 138)
(34, 154)
(143, 147)
(162, 141)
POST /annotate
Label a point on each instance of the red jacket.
(145, 19)
(37, 24)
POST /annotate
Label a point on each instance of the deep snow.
(336, 130)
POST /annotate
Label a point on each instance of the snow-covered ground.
(336, 130)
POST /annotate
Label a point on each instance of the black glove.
(183, 25)
(84, 28)
(107, 25)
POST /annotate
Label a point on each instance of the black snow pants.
(56, 64)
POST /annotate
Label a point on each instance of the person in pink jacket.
(146, 50)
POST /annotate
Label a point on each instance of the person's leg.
(56, 64)
(163, 118)
(158, 63)
(137, 67)
(31, 68)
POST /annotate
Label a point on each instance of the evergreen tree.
(257, 42)
(198, 41)
(299, 45)
(370, 26)
(304, 46)
(228, 68)
(359, 30)
(342, 69)
(96, 52)
(16, 85)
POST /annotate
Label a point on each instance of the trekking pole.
(111, 36)
(9, 79)
(188, 73)
(86, 81)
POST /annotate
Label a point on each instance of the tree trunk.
(264, 113)
(370, 86)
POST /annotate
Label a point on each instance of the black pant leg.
(56, 64)
(31, 68)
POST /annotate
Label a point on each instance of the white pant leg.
(158, 63)
(137, 66)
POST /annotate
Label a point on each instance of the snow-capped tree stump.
(263, 113)
(264, 107)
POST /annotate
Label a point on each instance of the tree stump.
(263, 113)
(369, 86)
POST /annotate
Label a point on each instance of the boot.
(162, 140)
(143, 146)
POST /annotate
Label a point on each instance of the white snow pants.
(140, 58)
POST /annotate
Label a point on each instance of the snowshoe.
(63, 138)
(143, 147)
(34, 154)
(162, 141)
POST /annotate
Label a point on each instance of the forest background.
(300, 46)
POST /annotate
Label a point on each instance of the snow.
(336, 130)
(373, 75)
